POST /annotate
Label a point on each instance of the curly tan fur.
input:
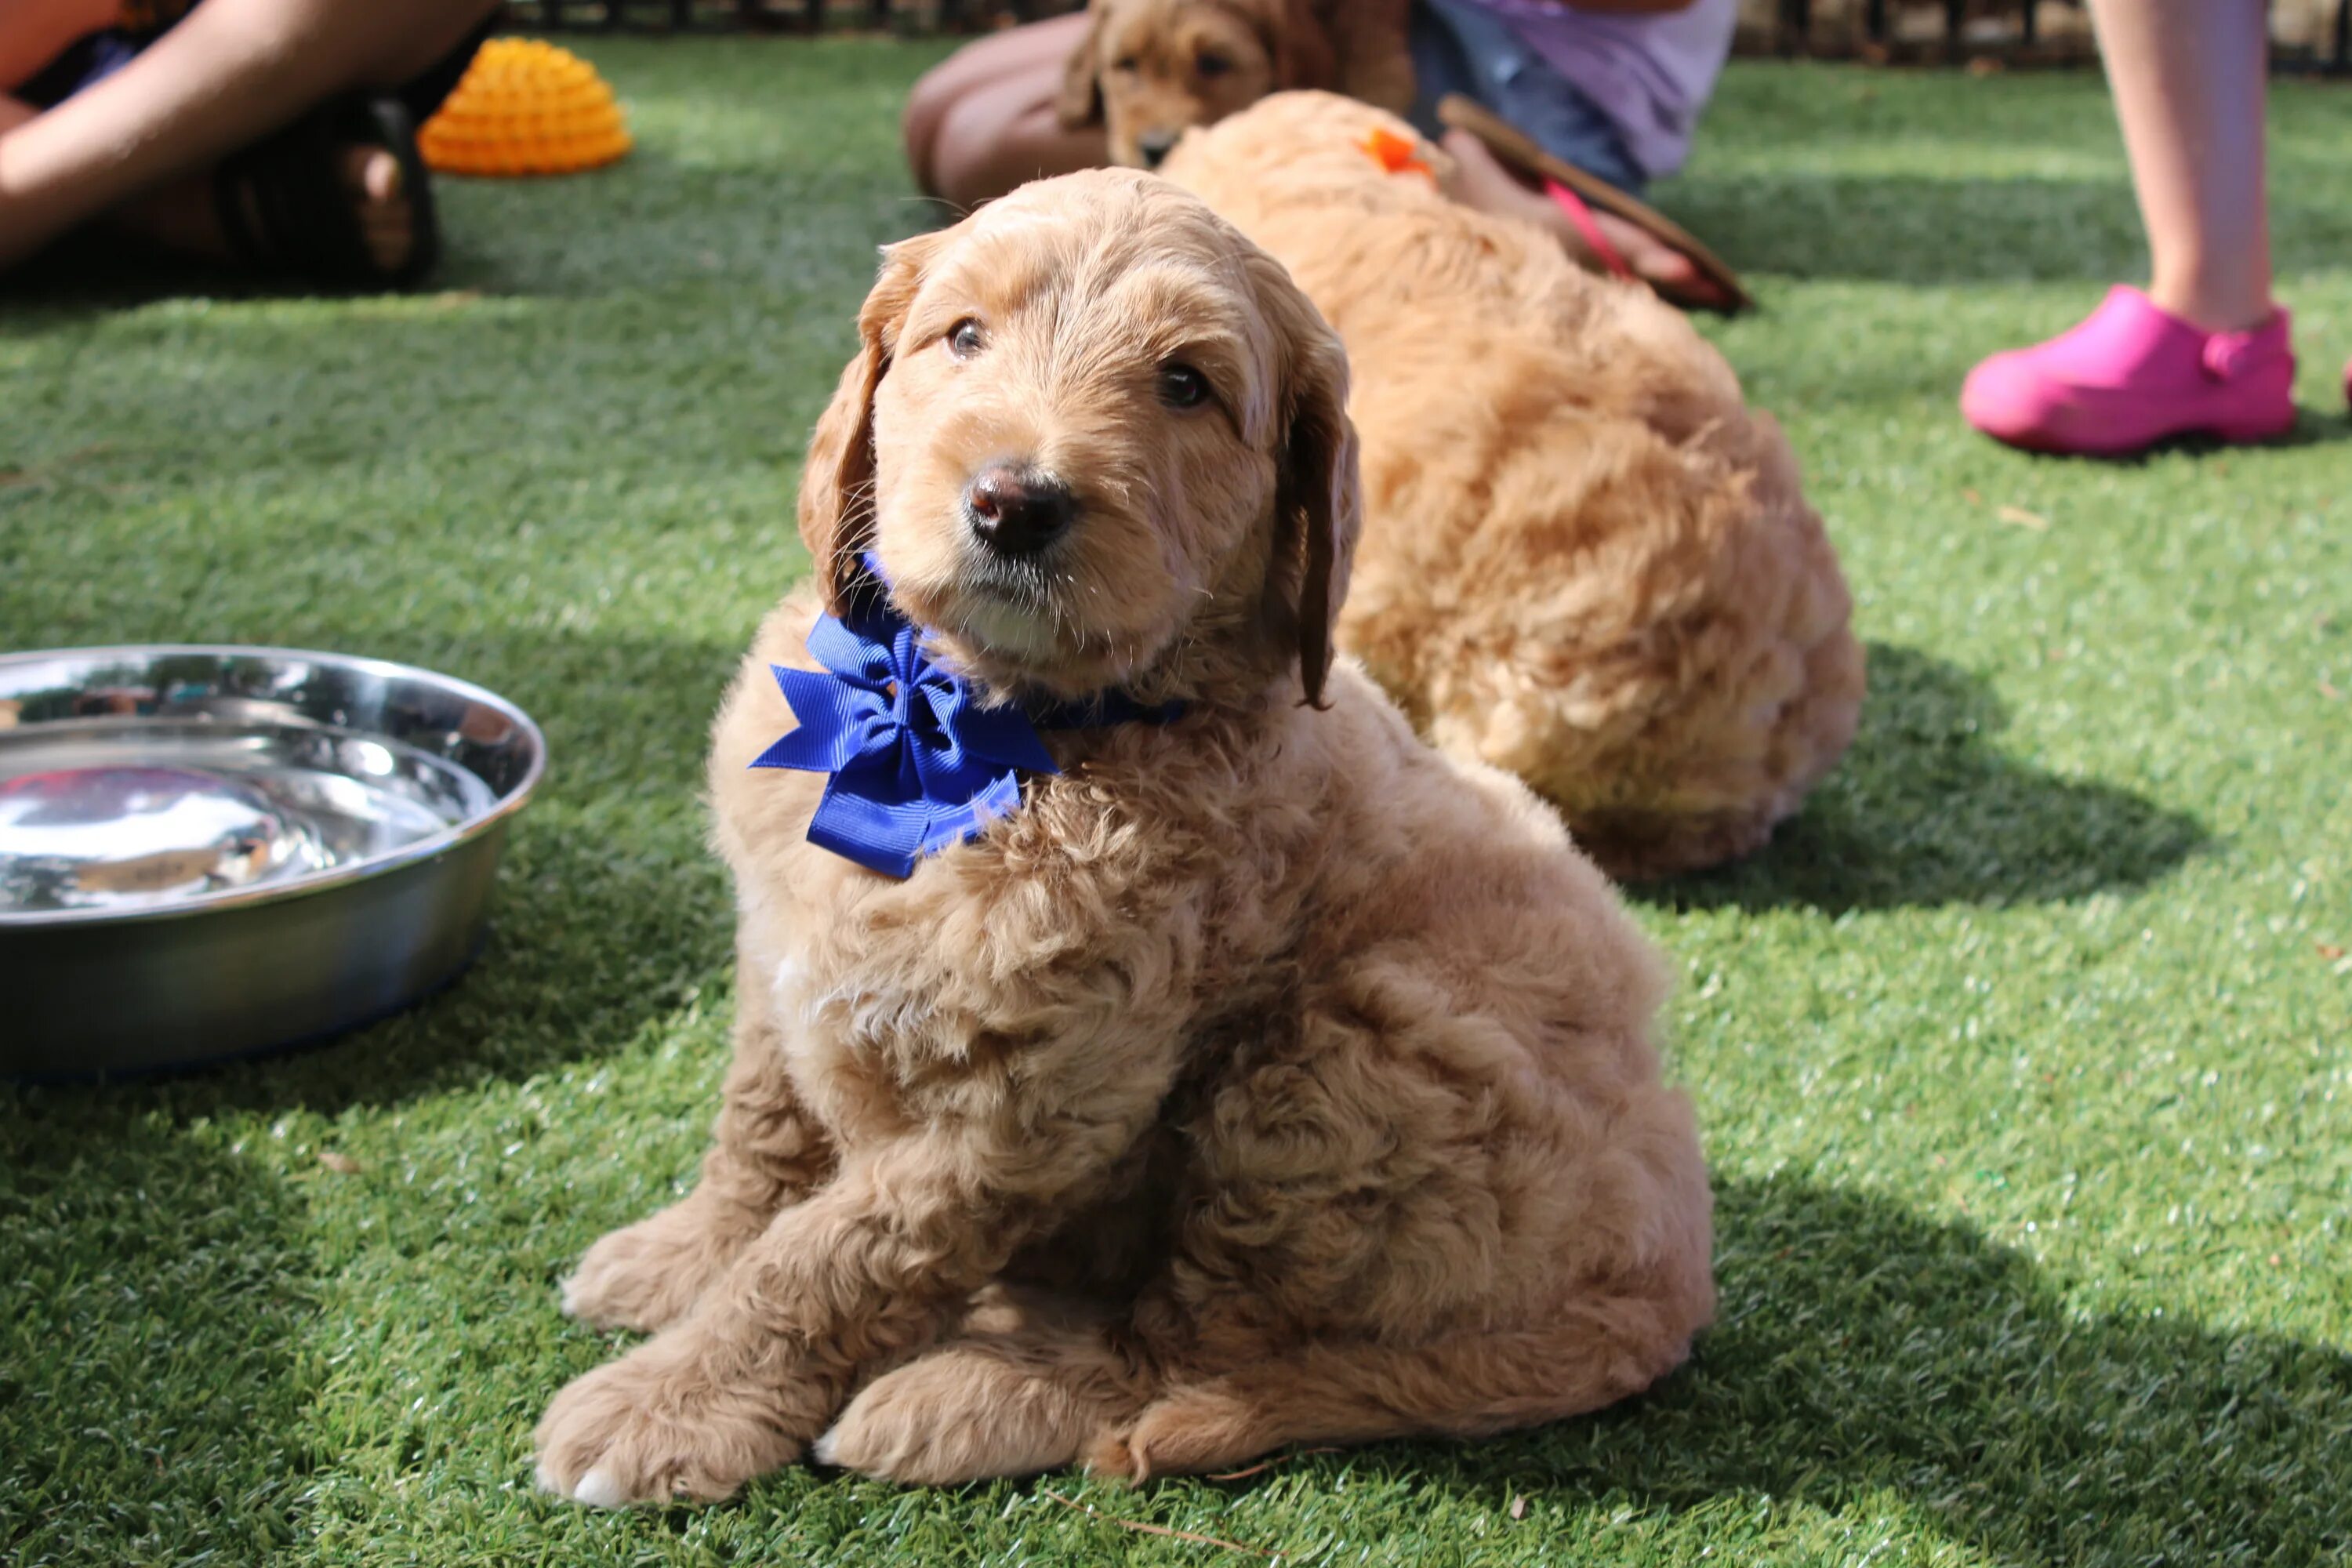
(1586, 560)
(1149, 69)
(1265, 1077)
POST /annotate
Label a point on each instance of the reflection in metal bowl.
(209, 851)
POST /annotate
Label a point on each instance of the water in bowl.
(104, 814)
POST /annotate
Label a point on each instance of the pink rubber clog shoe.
(2131, 375)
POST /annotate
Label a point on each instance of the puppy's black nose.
(1018, 511)
(1154, 146)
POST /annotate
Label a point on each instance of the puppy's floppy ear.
(837, 480)
(1320, 501)
(1079, 105)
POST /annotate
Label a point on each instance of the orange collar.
(1396, 154)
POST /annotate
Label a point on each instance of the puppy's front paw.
(1185, 1434)
(652, 1427)
(908, 1427)
(959, 1414)
(646, 1275)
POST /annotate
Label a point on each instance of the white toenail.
(599, 1490)
(823, 1450)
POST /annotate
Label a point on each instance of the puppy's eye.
(964, 340)
(1210, 63)
(1125, 63)
(1181, 386)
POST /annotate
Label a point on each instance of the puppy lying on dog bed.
(1148, 1052)
(1586, 560)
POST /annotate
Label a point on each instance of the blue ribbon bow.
(918, 765)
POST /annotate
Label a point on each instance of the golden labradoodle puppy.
(1148, 1052)
(1586, 560)
(1148, 68)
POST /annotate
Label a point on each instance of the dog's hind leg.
(1027, 1385)
(1468, 1386)
(766, 1153)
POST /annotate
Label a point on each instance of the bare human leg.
(2190, 78)
(2204, 350)
(983, 121)
(140, 145)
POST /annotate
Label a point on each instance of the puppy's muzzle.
(1015, 512)
(1155, 145)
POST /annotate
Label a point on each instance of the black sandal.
(286, 211)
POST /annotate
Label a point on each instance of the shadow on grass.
(1861, 1349)
(1925, 811)
(153, 1380)
(650, 225)
(2322, 426)
(612, 914)
(90, 272)
(658, 226)
(1907, 229)
(150, 1394)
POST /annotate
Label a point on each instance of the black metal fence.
(914, 17)
(2305, 35)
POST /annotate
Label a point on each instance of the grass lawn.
(2025, 1058)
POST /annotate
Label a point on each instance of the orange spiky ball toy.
(525, 107)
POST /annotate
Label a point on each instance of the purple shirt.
(1652, 74)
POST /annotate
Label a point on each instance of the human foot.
(1486, 183)
(187, 217)
(379, 195)
(1645, 255)
(2132, 374)
(339, 198)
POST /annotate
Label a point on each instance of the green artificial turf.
(2023, 1057)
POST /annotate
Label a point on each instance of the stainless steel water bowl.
(206, 852)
